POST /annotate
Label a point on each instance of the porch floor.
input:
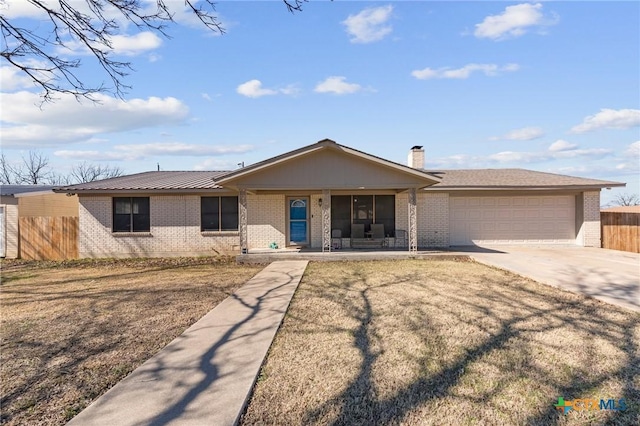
(342, 255)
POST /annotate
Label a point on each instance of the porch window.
(365, 209)
(341, 214)
(219, 214)
(131, 214)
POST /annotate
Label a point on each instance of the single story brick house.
(306, 196)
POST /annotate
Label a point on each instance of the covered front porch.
(326, 197)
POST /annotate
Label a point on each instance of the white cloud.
(216, 164)
(290, 90)
(609, 119)
(523, 134)
(135, 44)
(254, 89)
(337, 85)
(178, 148)
(562, 145)
(517, 158)
(513, 22)
(369, 25)
(123, 45)
(12, 79)
(464, 72)
(25, 125)
(12, 9)
(633, 150)
(142, 151)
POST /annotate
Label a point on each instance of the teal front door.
(298, 217)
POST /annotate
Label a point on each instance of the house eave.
(521, 188)
(116, 192)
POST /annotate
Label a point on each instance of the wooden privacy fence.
(48, 238)
(620, 231)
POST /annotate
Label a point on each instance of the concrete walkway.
(204, 376)
(608, 275)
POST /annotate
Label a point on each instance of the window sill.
(131, 234)
(219, 233)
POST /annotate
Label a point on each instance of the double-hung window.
(131, 214)
(218, 214)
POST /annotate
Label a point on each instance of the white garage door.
(512, 220)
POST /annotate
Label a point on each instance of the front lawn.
(444, 343)
(71, 330)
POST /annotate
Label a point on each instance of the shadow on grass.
(520, 312)
(80, 342)
(208, 365)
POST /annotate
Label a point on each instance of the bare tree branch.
(35, 170)
(626, 200)
(70, 26)
(87, 172)
(9, 175)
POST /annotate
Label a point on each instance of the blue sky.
(549, 86)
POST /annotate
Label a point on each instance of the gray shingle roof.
(512, 178)
(151, 181)
(8, 190)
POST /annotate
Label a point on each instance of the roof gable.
(326, 164)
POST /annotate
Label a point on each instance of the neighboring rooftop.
(512, 178)
(622, 209)
(151, 181)
(11, 190)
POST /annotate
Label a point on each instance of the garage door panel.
(519, 214)
(512, 220)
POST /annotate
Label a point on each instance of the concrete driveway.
(608, 275)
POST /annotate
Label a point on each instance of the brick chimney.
(416, 157)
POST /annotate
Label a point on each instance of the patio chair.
(377, 233)
(357, 234)
(401, 238)
(336, 239)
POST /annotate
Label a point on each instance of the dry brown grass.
(71, 330)
(444, 343)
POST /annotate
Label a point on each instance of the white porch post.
(326, 220)
(413, 222)
(242, 204)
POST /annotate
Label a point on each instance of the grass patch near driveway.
(444, 343)
(71, 330)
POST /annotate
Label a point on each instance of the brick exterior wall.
(175, 230)
(175, 225)
(316, 221)
(266, 221)
(433, 219)
(589, 230)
